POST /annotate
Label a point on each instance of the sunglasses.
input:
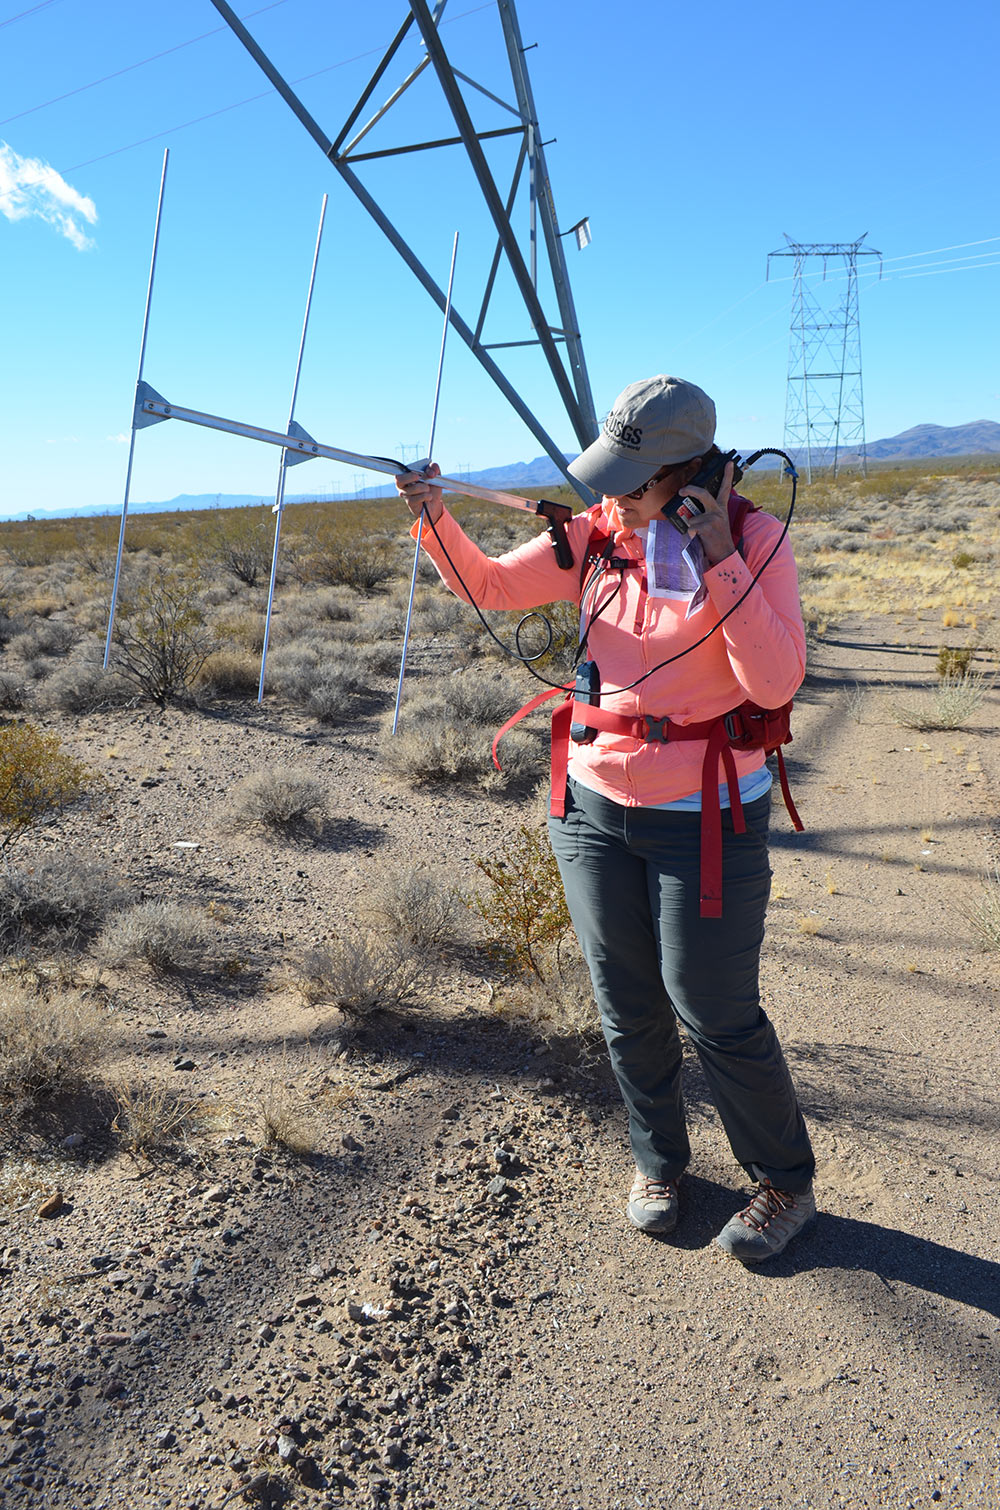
(660, 476)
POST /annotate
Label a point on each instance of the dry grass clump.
(283, 1120)
(150, 1117)
(229, 673)
(85, 687)
(985, 916)
(369, 972)
(287, 799)
(951, 704)
(60, 901)
(48, 1042)
(168, 936)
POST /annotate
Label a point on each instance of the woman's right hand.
(419, 494)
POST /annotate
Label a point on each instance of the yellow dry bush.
(37, 777)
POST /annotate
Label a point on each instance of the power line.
(29, 12)
(251, 99)
(130, 67)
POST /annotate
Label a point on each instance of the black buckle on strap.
(656, 730)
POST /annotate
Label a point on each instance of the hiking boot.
(652, 1204)
(768, 1224)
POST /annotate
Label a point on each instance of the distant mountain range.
(980, 437)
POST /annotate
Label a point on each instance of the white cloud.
(120, 439)
(30, 188)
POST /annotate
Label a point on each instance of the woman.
(628, 842)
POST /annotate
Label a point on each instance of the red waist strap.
(718, 746)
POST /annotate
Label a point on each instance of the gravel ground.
(442, 1303)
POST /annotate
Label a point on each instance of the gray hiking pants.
(632, 882)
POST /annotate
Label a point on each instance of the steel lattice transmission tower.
(824, 399)
(558, 338)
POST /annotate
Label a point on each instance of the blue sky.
(692, 147)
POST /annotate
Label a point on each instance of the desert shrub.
(48, 1042)
(85, 687)
(949, 706)
(985, 916)
(235, 672)
(415, 906)
(242, 541)
(151, 1117)
(13, 691)
(364, 566)
(285, 798)
(46, 637)
(61, 900)
(167, 936)
(379, 658)
(161, 638)
(337, 691)
(524, 910)
(332, 604)
(42, 605)
(954, 662)
(363, 974)
(962, 559)
(37, 778)
(561, 1005)
(438, 613)
(240, 627)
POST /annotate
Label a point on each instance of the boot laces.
(766, 1204)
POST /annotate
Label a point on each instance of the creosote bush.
(161, 638)
(48, 1043)
(167, 936)
(60, 901)
(524, 910)
(287, 799)
(37, 778)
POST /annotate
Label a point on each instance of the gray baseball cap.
(652, 424)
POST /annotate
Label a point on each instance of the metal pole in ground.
(286, 460)
(420, 521)
(135, 412)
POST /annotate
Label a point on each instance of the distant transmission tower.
(824, 400)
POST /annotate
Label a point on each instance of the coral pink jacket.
(758, 653)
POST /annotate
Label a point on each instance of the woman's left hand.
(710, 519)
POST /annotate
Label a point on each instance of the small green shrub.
(37, 777)
(962, 559)
(952, 662)
(524, 911)
(242, 541)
